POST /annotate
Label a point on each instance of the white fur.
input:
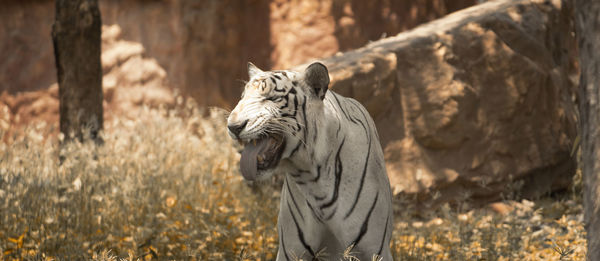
(310, 220)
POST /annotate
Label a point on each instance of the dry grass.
(167, 186)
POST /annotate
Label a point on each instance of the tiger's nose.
(237, 128)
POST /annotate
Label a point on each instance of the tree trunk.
(76, 36)
(587, 19)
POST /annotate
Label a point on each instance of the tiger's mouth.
(261, 154)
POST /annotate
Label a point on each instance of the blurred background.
(202, 46)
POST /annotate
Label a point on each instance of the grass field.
(166, 186)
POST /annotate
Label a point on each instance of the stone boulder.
(477, 106)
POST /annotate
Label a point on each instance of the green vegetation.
(166, 186)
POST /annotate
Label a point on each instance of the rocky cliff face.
(477, 105)
(204, 45)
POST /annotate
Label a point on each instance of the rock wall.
(27, 61)
(204, 45)
(311, 29)
(477, 105)
(130, 80)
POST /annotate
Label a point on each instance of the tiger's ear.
(316, 77)
(253, 70)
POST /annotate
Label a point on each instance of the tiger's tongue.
(248, 162)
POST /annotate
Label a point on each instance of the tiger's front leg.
(365, 235)
(302, 236)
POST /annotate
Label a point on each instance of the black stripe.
(331, 214)
(364, 173)
(340, 105)
(287, 100)
(317, 215)
(379, 164)
(292, 91)
(295, 105)
(273, 80)
(318, 174)
(283, 243)
(338, 176)
(295, 108)
(295, 83)
(275, 99)
(365, 225)
(279, 89)
(277, 76)
(295, 149)
(362, 110)
(319, 198)
(355, 120)
(316, 132)
(304, 115)
(300, 233)
(287, 183)
(387, 220)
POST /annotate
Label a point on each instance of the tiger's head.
(270, 118)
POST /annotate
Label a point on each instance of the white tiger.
(336, 194)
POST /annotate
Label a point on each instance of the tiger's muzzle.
(261, 154)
